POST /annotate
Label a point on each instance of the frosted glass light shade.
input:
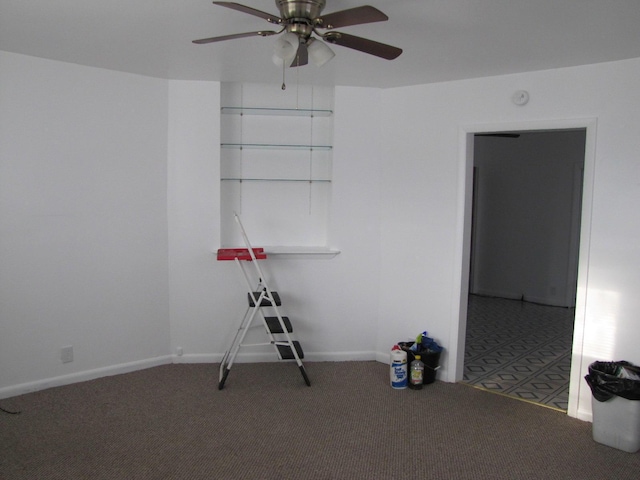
(285, 48)
(319, 52)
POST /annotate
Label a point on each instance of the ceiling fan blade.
(251, 11)
(351, 16)
(302, 56)
(363, 45)
(263, 33)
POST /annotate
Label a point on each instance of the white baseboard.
(198, 358)
(362, 356)
(527, 298)
(585, 416)
(29, 387)
(271, 357)
(62, 380)
(383, 358)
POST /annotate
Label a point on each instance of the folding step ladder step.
(274, 325)
(287, 354)
(266, 302)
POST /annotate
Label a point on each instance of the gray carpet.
(171, 422)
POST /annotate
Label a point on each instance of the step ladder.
(278, 327)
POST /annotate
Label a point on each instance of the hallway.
(519, 349)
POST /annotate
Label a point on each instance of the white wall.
(83, 250)
(424, 213)
(200, 287)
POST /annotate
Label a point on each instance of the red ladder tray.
(240, 254)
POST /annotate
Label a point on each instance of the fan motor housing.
(300, 9)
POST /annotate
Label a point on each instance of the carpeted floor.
(171, 422)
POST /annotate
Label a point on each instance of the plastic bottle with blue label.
(398, 371)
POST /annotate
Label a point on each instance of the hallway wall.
(525, 221)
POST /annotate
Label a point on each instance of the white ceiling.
(442, 39)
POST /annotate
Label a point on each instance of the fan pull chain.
(298, 84)
(241, 149)
(284, 87)
(311, 155)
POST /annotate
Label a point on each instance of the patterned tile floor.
(519, 349)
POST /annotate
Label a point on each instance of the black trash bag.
(607, 379)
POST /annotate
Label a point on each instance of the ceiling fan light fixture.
(285, 48)
(319, 52)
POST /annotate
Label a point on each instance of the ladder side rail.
(236, 347)
(266, 287)
(272, 339)
(258, 308)
(269, 297)
(245, 275)
(257, 303)
(289, 341)
(266, 294)
(247, 243)
(230, 355)
(245, 238)
(245, 324)
(225, 357)
(259, 271)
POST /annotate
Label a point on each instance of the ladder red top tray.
(240, 254)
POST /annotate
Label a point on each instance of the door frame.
(463, 240)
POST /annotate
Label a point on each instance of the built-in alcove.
(276, 165)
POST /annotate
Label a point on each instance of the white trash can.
(615, 404)
(616, 423)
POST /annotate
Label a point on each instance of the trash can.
(615, 404)
(430, 358)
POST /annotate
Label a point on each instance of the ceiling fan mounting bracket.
(303, 27)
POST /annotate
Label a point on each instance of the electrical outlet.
(66, 354)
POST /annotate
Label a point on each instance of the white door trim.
(463, 241)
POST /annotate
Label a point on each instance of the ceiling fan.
(299, 19)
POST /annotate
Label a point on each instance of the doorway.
(553, 293)
(527, 192)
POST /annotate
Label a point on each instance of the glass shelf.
(301, 252)
(237, 179)
(270, 146)
(290, 112)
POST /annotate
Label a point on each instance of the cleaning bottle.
(398, 370)
(416, 378)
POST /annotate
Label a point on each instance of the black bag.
(607, 379)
